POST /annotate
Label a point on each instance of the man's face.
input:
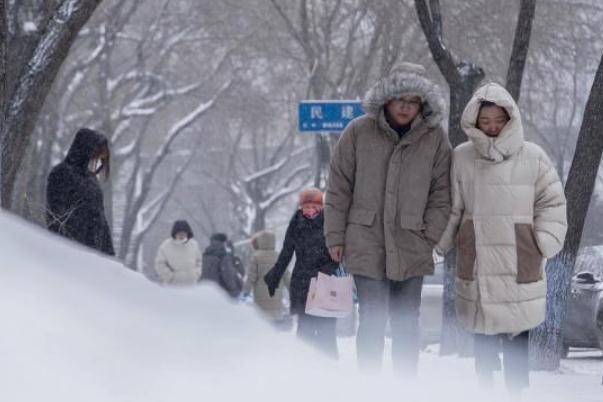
(404, 109)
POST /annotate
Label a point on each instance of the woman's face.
(404, 109)
(491, 120)
(96, 164)
(311, 211)
(181, 236)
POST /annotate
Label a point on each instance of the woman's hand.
(272, 280)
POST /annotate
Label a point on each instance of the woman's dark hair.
(182, 226)
(87, 145)
(104, 154)
(485, 103)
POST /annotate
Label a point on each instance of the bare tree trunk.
(33, 84)
(259, 221)
(323, 156)
(3, 55)
(547, 338)
(521, 44)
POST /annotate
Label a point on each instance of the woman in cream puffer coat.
(178, 260)
(508, 216)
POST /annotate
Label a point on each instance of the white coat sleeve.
(448, 238)
(550, 216)
(162, 268)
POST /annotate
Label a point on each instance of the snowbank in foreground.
(80, 327)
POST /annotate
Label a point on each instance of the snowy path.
(579, 378)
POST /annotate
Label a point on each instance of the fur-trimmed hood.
(406, 79)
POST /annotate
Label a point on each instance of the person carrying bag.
(305, 238)
(331, 295)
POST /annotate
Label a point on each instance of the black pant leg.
(318, 332)
(372, 317)
(486, 349)
(404, 310)
(326, 336)
(516, 361)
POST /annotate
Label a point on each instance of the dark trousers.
(400, 301)
(318, 332)
(515, 358)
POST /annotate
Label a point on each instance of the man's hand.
(336, 253)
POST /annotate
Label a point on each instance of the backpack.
(231, 277)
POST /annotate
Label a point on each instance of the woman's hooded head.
(89, 146)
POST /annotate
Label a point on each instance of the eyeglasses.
(414, 103)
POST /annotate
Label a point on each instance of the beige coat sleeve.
(437, 211)
(550, 216)
(252, 276)
(340, 188)
(162, 268)
(448, 238)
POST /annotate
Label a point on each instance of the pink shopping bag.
(330, 296)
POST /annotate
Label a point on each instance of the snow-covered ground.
(80, 327)
(579, 378)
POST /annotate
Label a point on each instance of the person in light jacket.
(178, 260)
(263, 259)
(508, 216)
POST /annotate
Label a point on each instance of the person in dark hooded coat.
(220, 266)
(74, 199)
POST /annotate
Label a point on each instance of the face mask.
(310, 213)
(95, 166)
(181, 241)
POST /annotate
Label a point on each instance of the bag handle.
(341, 271)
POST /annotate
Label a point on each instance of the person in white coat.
(178, 260)
(508, 215)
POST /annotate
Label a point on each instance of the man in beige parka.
(508, 215)
(387, 204)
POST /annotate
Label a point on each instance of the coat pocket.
(529, 258)
(466, 252)
(415, 226)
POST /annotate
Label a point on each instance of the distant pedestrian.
(262, 260)
(219, 266)
(178, 260)
(74, 199)
(305, 239)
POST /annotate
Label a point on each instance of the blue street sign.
(327, 115)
